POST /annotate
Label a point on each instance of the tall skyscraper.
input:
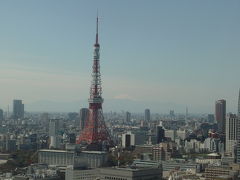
(160, 134)
(83, 117)
(1, 116)
(95, 131)
(238, 131)
(220, 115)
(128, 117)
(147, 116)
(128, 139)
(53, 133)
(210, 118)
(186, 114)
(231, 133)
(171, 114)
(18, 109)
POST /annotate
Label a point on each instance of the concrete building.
(171, 134)
(238, 130)
(114, 173)
(74, 173)
(160, 134)
(1, 116)
(53, 133)
(194, 146)
(220, 115)
(181, 134)
(128, 140)
(118, 173)
(210, 118)
(128, 117)
(89, 159)
(169, 166)
(231, 133)
(83, 115)
(215, 172)
(18, 109)
(163, 151)
(147, 115)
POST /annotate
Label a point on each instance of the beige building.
(217, 172)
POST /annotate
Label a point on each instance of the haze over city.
(153, 55)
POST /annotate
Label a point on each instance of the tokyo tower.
(95, 131)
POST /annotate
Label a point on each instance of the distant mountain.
(115, 105)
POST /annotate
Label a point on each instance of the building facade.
(128, 140)
(238, 130)
(128, 117)
(87, 159)
(53, 133)
(147, 115)
(83, 115)
(1, 116)
(18, 109)
(160, 134)
(231, 133)
(130, 173)
(220, 115)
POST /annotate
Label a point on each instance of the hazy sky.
(153, 52)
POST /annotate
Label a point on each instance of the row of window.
(115, 178)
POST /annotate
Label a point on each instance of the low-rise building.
(118, 173)
(90, 159)
(216, 172)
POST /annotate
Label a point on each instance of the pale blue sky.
(179, 52)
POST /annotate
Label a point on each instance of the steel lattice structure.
(95, 131)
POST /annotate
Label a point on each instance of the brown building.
(218, 172)
(220, 115)
(163, 151)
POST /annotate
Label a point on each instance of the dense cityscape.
(93, 144)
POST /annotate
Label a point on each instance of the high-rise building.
(220, 115)
(186, 114)
(18, 109)
(238, 131)
(147, 116)
(171, 114)
(160, 134)
(53, 133)
(1, 116)
(231, 133)
(128, 117)
(83, 117)
(128, 139)
(210, 118)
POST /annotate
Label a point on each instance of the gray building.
(1, 116)
(73, 173)
(128, 140)
(210, 118)
(128, 117)
(238, 131)
(114, 173)
(18, 109)
(231, 133)
(53, 133)
(118, 173)
(168, 165)
(83, 117)
(147, 116)
(89, 159)
(220, 115)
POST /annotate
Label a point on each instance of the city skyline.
(155, 58)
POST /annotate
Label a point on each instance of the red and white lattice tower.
(95, 130)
